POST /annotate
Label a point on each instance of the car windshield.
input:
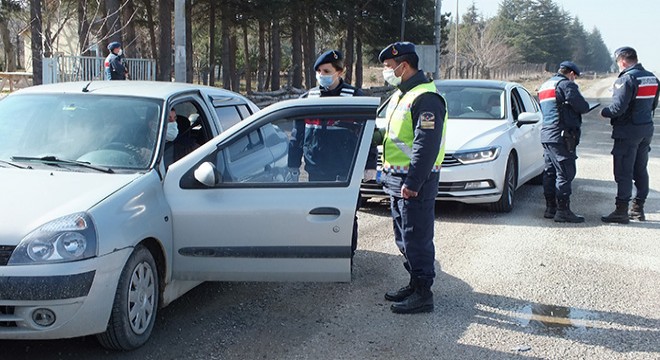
(109, 131)
(468, 102)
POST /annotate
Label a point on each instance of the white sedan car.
(493, 143)
(103, 224)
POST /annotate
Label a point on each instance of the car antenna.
(86, 86)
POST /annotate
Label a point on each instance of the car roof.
(495, 84)
(148, 89)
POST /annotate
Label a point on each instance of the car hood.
(465, 134)
(31, 198)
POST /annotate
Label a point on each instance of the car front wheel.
(136, 302)
(505, 204)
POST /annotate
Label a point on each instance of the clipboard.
(593, 106)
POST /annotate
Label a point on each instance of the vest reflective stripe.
(316, 92)
(648, 86)
(547, 91)
(397, 148)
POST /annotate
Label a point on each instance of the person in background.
(634, 99)
(114, 65)
(329, 68)
(562, 106)
(413, 150)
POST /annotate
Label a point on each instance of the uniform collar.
(414, 80)
(333, 92)
(637, 66)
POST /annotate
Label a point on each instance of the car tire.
(505, 204)
(135, 305)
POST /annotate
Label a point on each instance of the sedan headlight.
(477, 155)
(69, 238)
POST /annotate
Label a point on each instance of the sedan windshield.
(106, 131)
(474, 102)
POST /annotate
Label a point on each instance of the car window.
(228, 116)
(292, 151)
(517, 106)
(244, 111)
(112, 131)
(473, 102)
(528, 101)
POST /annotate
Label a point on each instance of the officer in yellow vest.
(413, 150)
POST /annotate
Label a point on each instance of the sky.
(632, 23)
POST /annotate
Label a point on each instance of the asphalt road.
(510, 286)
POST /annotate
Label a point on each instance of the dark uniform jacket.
(114, 68)
(327, 146)
(562, 106)
(425, 145)
(634, 98)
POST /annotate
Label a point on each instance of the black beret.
(396, 49)
(626, 50)
(328, 57)
(113, 45)
(571, 66)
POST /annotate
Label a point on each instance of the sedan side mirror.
(527, 118)
(207, 174)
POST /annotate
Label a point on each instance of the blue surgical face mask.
(325, 80)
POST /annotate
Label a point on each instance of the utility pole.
(438, 40)
(180, 40)
(403, 19)
(456, 43)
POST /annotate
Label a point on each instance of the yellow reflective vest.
(398, 143)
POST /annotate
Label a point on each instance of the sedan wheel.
(136, 302)
(505, 204)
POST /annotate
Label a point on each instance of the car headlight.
(477, 155)
(69, 238)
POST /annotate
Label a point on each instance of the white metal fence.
(61, 68)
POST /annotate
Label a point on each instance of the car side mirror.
(207, 174)
(527, 118)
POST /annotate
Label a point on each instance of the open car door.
(274, 197)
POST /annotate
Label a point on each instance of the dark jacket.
(327, 146)
(562, 106)
(114, 68)
(634, 99)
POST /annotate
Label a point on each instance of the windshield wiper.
(15, 165)
(54, 160)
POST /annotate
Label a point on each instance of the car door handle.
(325, 211)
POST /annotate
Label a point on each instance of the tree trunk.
(350, 38)
(235, 76)
(10, 55)
(261, 66)
(276, 56)
(296, 51)
(131, 45)
(359, 68)
(189, 43)
(246, 50)
(225, 50)
(35, 37)
(212, 43)
(113, 21)
(165, 53)
(310, 48)
(83, 29)
(152, 28)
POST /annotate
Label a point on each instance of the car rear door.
(255, 221)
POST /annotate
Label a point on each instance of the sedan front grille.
(5, 254)
(450, 160)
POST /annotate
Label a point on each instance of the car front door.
(529, 135)
(273, 199)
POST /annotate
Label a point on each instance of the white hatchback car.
(98, 231)
(493, 143)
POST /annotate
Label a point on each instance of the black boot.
(619, 215)
(637, 210)
(550, 207)
(421, 301)
(401, 294)
(564, 213)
